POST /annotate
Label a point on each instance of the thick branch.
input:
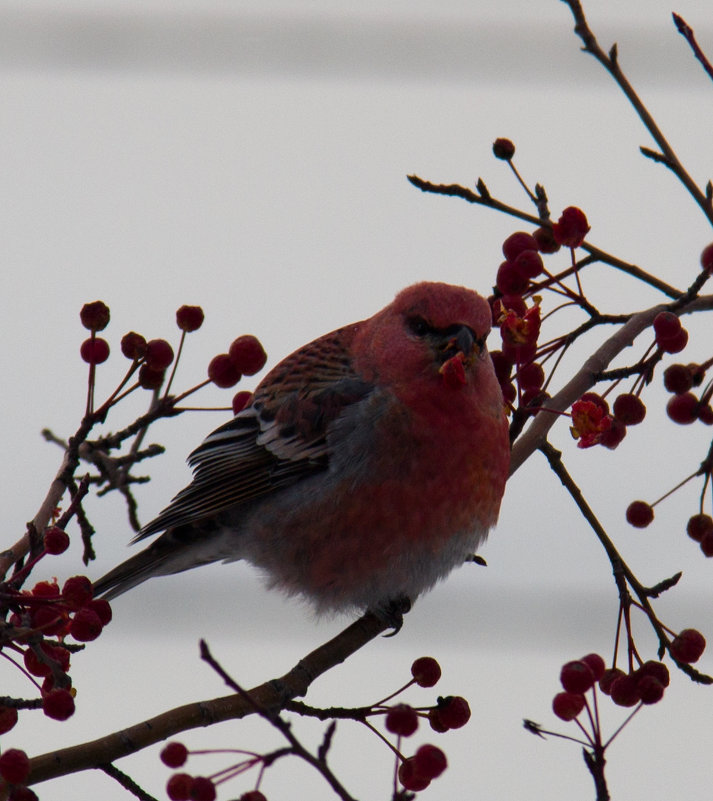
(271, 694)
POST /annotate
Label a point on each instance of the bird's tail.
(173, 552)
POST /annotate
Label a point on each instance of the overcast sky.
(251, 157)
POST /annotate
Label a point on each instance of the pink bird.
(368, 465)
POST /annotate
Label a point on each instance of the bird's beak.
(459, 340)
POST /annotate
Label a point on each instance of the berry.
(429, 762)
(567, 705)
(86, 625)
(102, 608)
(546, 242)
(502, 365)
(609, 676)
(503, 149)
(159, 354)
(504, 302)
(571, 228)
(531, 376)
(687, 646)
(705, 414)
(241, 400)
(625, 690)
(674, 344)
(252, 795)
(77, 591)
(596, 664)
(510, 279)
(34, 664)
(247, 354)
(593, 397)
(22, 794)
(58, 704)
(666, 325)
(707, 258)
(408, 777)
(202, 789)
(95, 316)
(529, 263)
(683, 409)
(453, 711)
(698, 526)
(8, 718)
(639, 514)
(650, 689)
(516, 243)
(94, 350)
(656, 669)
(426, 671)
(678, 378)
(435, 722)
(707, 545)
(14, 766)
(222, 371)
(46, 589)
(402, 720)
(56, 540)
(178, 787)
(613, 435)
(150, 378)
(189, 318)
(629, 409)
(133, 345)
(576, 677)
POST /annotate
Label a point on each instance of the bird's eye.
(419, 326)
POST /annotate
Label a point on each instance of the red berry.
(687, 646)
(86, 625)
(178, 787)
(503, 149)
(189, 318)
(650, 689)
(624, 691)
(149, 378)
(674, 344)
(514, 245)
(426, 671)
(46, 589)
(202, 789)
(567, 705)
(613, 435)
(402, 720)
(34, 664)
(453, 711)
(408, 777)
(705, 414)
(77, 591)
(56, 540)
(546, 242)
(429, 762)
(435, 722)
(531, 376)
(14, 766)
(247, 354)
(502, 366)
(509, 392)
(656, 669)
(22, 794)
(510, 280)
(102, 608)
(222, 371)
(698, 526)
(8, 718)
(58, 704)
(707, 545)
(678, 378)
(95, 316)
(666, 325)
(639, 514)
(252, 795)
(94, 350)
(241, 400)
(596, 664)
(593, 397)
(707, 258)
(629, 409)
(576, 677)
(571, 228)
(529, 263)
(159, 354)
(504, 302)
(133, 345)
(683, 409)
(609, 676)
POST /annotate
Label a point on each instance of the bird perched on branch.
(368, 465)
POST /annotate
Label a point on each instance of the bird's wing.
(280, 438)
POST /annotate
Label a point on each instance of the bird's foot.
(392, 613)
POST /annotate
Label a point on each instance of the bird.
(367, 466)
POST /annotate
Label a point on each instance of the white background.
(251, 157)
